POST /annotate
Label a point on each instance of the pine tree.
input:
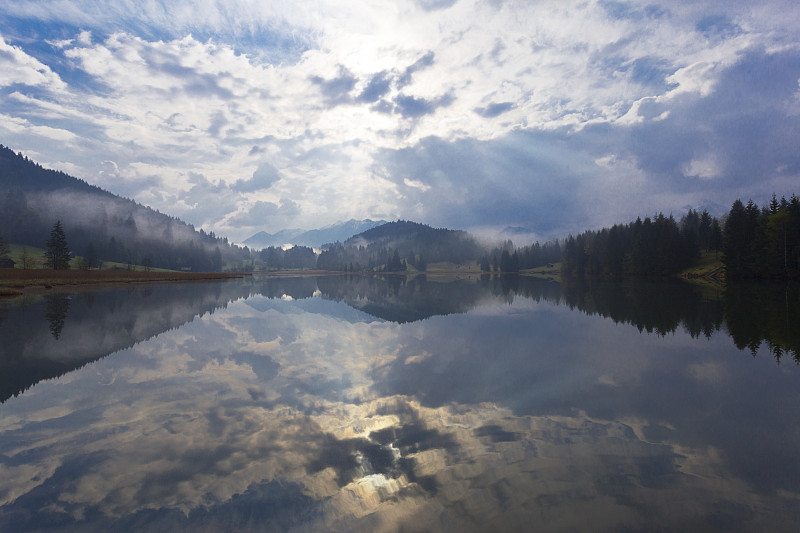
(57, 253)
(485, 266)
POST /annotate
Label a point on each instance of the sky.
(548, 117)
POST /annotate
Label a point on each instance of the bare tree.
(27, 259)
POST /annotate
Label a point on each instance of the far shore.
(18, 282)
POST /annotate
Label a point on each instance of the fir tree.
(56, 252)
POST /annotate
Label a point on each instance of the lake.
(384, 404)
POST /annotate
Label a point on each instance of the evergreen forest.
(98, 225)
(752, 243)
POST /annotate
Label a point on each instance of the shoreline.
(19, 282)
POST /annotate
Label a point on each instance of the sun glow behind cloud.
(342, 100)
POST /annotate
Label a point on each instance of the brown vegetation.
(20, 278)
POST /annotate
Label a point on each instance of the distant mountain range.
(314, 238)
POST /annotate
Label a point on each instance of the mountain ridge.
(116, 229)
(315, 238)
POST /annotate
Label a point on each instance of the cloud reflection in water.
(303, 414)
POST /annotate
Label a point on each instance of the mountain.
(262, 239)
(337, 232)
(33, 198)
(389, 245)
(314, 238)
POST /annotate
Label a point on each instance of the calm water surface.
(336, 404)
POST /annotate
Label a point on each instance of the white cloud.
(16, 126)
(17, 67)
(416, 184)
(704, 168)
(323, 89)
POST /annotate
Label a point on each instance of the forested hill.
(19, 172)
(398, 244)
(99, 224)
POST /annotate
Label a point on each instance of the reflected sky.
(304, 414)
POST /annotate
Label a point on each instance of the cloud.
(261, 213)
(433, 5)
(336, 90)
(413, 107)
(681, 152)
(377, 87)
(420, 64)
(346, 100)
(17, 67)
(718, 27)
(494, 109)
(265, 403)
(525, 176)
(263, 178)
(255, 150)
(743, 126)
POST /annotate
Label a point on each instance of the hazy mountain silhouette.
(315, 238)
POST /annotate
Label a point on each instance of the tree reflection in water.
(56, 308)
(347, 402)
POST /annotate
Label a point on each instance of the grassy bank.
(15, 281)
(706, 270)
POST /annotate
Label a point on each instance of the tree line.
(650, 248)
(763, 243)
(508, 259)
(755, 243)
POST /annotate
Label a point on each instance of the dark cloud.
(624, 10)
(412, 107)
(499, 48)
(218, 121)
(421, 63)
(652, 71)
(648, 71)
(378, 86)
(261, 213)
(748, 127)
(263, 366)
(746, 124)
(337, 90)
(433, 5)
(524, 176)
(263, 178)
(381, 82)
(160, 60)
(718, 27)
(494, 109)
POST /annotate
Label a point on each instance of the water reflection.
(319, 404)
(84, 326)
(752, 313)
(56, 312)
